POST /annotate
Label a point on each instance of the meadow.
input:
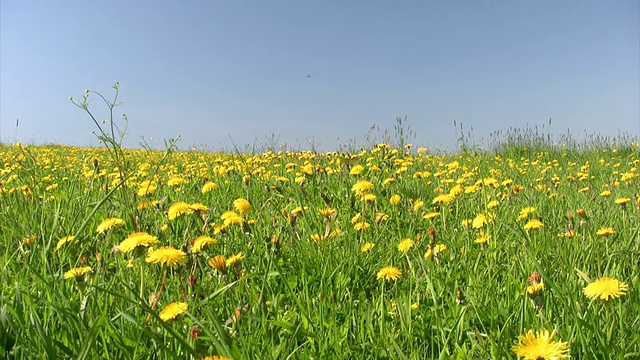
(384, 252)
(529, 250)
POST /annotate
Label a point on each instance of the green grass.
(293, 297)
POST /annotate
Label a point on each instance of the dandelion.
(605, 288)
(479, 221)
(482, 238)
(234, 259)
(199, 207)
(135, 240)
(405, 245)
(178, 209)
(443, 199)
(539, 346)
(389, 273)
(327, 212)
(146, 187)
(356, 170)
(622, 201)
(361, 225)
(242, 205)
(431, 215)
(209, 186)
(108, 224)
(77, 272)
(369, 197)
(605, 193)
(524, 213)
(534, 289)
(380, 217)
(433, 251)
(417, 205)
(533, 224)
(367, 247)
(216, 357)
(218, 262)
(231, 217)
(176, 181)
(362, 187)
(201, 242)
(394, 199)
(166, 255)
(172, 310)
(606, 231)
(64, 240)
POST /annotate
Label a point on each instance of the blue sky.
(220, 73)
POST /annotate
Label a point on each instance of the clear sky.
(219, 73)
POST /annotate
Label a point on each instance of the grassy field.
(387, 252)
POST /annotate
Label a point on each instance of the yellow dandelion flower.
(242, 205)
(216, 357)
(361, 225)
(606, 231)
(109, 223)
(493, 203)
(77, 272)
(199, 207)
(443, 199)
(394, 199)
(605, 288)
(622, 201)
(534, 289)
(146, 187)
(524, 213)
(201, 242)
(431, 215)
(234, 259)
(479, 221)
(356, 170)
(388, 181)
(389, 273)
(367, 247)
(176, 181)
(178, 209)
(231, 217)
(605, 193)
(539, 346)
(417, 205)
(327, 212)
(209, 186)
(435, 250)
(356, 218)
(362, 187)
(218, 262)
(137, 239)
(318, 238)
(380, 217)
(166, 255)
(405, 245)
(533, 224)
(64, 240)
(482, 238)
(369, 197)
(172, 310)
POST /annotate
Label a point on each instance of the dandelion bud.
(432, 235)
